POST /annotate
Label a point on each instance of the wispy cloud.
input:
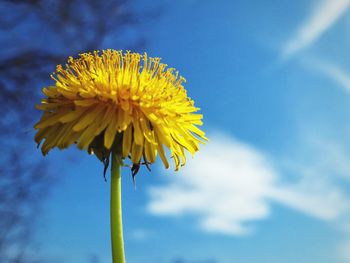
(344, 251)
(325, 14)
(330, 70)
(229, 184)
(138, 234)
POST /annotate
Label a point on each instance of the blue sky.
(272, 79)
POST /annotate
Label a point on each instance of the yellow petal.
(88, 117)
(108, 115)
(162, 135)
(176, 160)
(182, 142)
(136, 153)
(196, 131)
(127, 140)
(162, 155)
(110, 131)
(194, 118)
(51, 138)
(47, 106)
(65, 136)
(51, 92)
(146, 130)
(150, 152)
(71, 116)
(85, 103)
(87, 137)
(71, 95)
(89, 134)
(138, 135)
(39, 136)
(51, 119)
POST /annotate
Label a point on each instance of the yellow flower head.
(127, 103)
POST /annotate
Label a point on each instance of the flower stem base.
(116, 212)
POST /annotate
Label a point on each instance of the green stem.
(116, 212)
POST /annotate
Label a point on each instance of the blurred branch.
(20, 197)
(36, 35)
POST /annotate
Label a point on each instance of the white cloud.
(226, 185)
(325, 14)
(229, 184)
(320, 202)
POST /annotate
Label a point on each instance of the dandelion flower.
(123, 105)
(128, 102)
